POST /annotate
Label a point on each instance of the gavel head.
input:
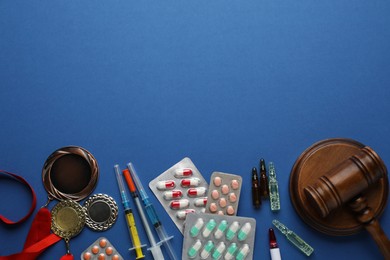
(345, 181)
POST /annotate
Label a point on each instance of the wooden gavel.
(345, 184)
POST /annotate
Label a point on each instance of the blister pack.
(181, 190)
(224, 194)
(211, 236)
(101, 249)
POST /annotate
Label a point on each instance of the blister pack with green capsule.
(213, 237)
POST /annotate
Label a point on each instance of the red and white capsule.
(182, 214)
(173, 194)
(191, 182)
(196, 192)
(183, 173)
(179, 204)
(165, 185)
(201, 202)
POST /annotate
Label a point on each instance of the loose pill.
(235, 184)
(196, 192)
(217, 181)
(179, 204)
(172, 194)
(206, 251)
(222, 202)
(182, 214)
(221, 229)
(165, 185)
(209, 228)
(215, 194)
(232, 197)
(196, 227)
(231, 232)
(220, 248)
(192, 182)
(213, 207)
(231, 251)
(242, 252)
(182, 173)
(200, 202)
(193, 251)
(244, 231)
(225, 189)
(230, 210)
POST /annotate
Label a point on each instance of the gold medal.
(67, 220)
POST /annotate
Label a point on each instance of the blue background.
(223, 82)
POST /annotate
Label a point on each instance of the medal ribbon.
(39, 237)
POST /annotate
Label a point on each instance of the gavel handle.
(371, 224)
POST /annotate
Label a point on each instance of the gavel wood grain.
(335, 217)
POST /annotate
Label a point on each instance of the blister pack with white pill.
(181, 190)
(211, 236)
(101, 249)
(224, 194)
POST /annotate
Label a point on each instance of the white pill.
(191, 182)
(197, 192)
(179, 204)
(165, 185)
(200, 202)
(182, 173)
(182, 214)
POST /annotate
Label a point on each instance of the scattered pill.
(165, 185)
(220, 248)
(225, 189)
(200, 202)
(222, 202)
(244, 231)
(209, 228)
(221, 229)
(213, 207)
(182, 173)
(182, 214)
(232, 197)
(196, 192)
(172, 194)
(242, 252)
(196, 227)
(207, 250)
(215, 194)
(231, 232)
(179, 204)
(192, 182)
(231, 251)
(230, 210)
(217, 181)
(235, 184)
(193, 251)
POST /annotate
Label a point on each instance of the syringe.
(152, 214)
(129, 217)
(154, 247)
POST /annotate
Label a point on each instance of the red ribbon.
(39, 237)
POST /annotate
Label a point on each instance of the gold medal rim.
(76, 228)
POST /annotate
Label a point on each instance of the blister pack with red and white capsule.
(181, 190)
(224, 193)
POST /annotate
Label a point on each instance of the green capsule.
(196, 227)
(193, 251)
(209, 227)
(221, 229)
(244, 231)
(231, 251)
(231, 232)
(243, 252)
(205, 253)
(219, 251)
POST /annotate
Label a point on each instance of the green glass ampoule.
(273, 188)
